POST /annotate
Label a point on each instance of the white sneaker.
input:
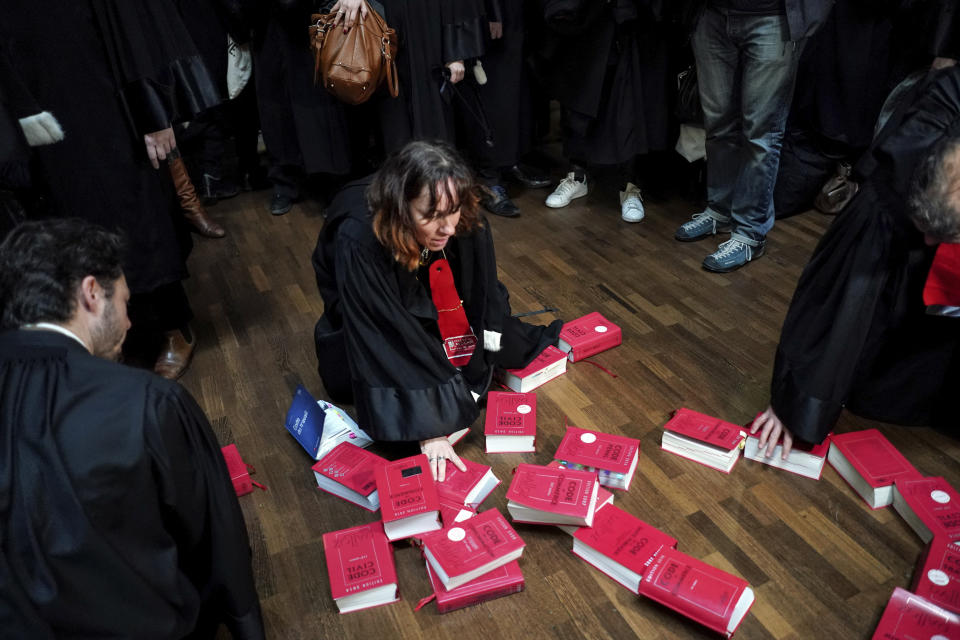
(631, 204)
(568, 189)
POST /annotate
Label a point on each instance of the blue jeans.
(746, 67)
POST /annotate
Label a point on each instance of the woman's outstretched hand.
(770, 429)
(439, 451)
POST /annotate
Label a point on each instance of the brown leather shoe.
(193, 210)
(174, 355)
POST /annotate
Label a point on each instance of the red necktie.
(943, 281)
(459, 341)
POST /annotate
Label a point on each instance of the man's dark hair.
(43, 262)
(934, 202)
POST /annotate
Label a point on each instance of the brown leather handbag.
(353, 65)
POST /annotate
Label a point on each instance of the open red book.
(869, 464)
(511, 422)
(349, 472)
(502, 581)
(545, 367)
(547, 495)
(468, 487)
(408, 497)
(710, 441)
(714, 598)
(621, 545)
(937, 577)
(805, 459)
(360, 566)
(587, 336)
(613, 458)
(930, 506)
(910, 617)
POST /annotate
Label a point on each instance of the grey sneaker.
(702, 225)
(731, 255)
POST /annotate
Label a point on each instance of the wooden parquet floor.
(822, 564)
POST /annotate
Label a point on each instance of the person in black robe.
(117, 515)
(857, 334)
(379, 342)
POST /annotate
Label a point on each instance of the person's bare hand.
(348, 11)
(159, 145)
(496, 30)
(942, 63)
(770, 429)
(439, 451)
(457, 70)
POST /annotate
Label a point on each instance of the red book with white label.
(937, 577)
(350, 473)
(710, 441)
(452, 512)
(911, 617)
(613, 458)
(360, 566)
(604, 498)
(408, 497)
(545, 367)
(805, 459)
(468, 487)
(511, 422)
(869, 464)
(587, 336)
(714, 598)
(930, 506)
(502, 581)
(548, 495)
(621, 545)
(471, 548)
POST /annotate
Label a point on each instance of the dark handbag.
(353, 65)
(837, 192)
(689, 110)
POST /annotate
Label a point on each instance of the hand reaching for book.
(770, 429)
(439, 451)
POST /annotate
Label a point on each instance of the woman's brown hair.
(402, 178)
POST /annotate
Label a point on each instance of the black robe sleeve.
(463, 29)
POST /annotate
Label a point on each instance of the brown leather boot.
(193, 210)
(175, 355)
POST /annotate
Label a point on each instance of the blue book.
(320, 426)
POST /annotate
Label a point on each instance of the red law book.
(869, 464)
(930, 506)
(705, 594)
(805, 459)
(360, 566)
(468, 487)
(545, 367)
(471, 548)
(502, 581)
(546, 495)
(239, 471)
(408, 497)
(511, 422)
(937, 578)
(710, 441)
(587, 336)
(910, 617)
(621, 545)
(604, 498)
(349, 472)
(613, 458)
(452, 512)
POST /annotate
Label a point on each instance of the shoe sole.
(733, 268)
(567, 204)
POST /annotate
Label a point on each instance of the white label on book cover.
(588, 438)
(523, 408)
(940, 496)
(600, 328)
(938, 577)
(939, 637)
(456, 534)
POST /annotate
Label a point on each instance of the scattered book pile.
(930, 506)
(613, 458)
(910, 617)
(408, 497)
(545, 367)
(704, 439)
(805, 459)
(588, 336)
(350, 473)
(360, 566)
(470, 487)
(551, 495)
(937, 578)
(869, 464)
(510, 425)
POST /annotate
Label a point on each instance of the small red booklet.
(350, 473)
(468, 487)
(511, 422)
(502, 581)
(239, 471)
(705, 594)
(408, 497)
(587, 336)
(910, 617)
(360, 566)
(471, 548)
(613, 458)
(870, 464)
(930, 506)
(545, 367)
(548, 495)
(937, 577)
(710, 441)
(621, 545)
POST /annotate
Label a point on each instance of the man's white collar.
(49, 326)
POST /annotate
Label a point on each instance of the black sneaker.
(529, 177)
(280, 204)
(496, 202)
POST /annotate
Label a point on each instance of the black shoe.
(213, 189)
(254, 180)
(280, 204)
(528, 177)
(496, 202)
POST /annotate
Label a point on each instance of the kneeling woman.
(414, 317)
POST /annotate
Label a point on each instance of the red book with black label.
(613, 458)
(468, 487)
(710, 441)
(408, 497)
(471, 548)
(621, 545)
(502, 581)
(869, 464)
(547, 495)
(350, 473)
(360, 566)
(714, 598)
(911, 617)
(930, 506)
(545, 367)
(511, 422)
(937, 577)
(587, 336)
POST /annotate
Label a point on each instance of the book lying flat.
(587, 336)
(604, 498)
(502, 581)
(930, 506)
(350, 473)
(320, 426)
(408, 497)
(910, 617)
(714, 598)
(869, 464)
(360, 566)
(710, 441)
(937, 577)
(550, 364)
(471, 548)
(468, 487)
(452, 512)
(613, 458)
(805, 459)
(546, 495)
(621, 545)
(511, 422)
